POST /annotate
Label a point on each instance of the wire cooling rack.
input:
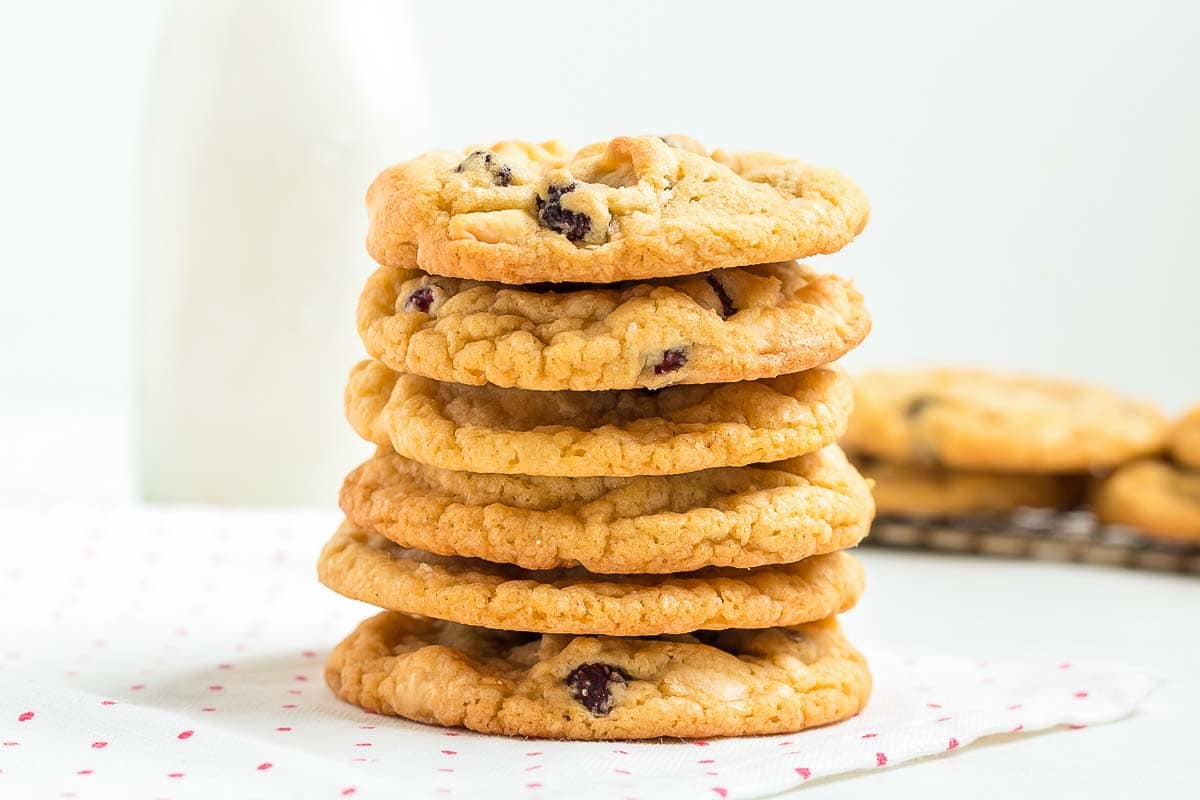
(1039, 534)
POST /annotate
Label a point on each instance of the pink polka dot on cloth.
(259, 648)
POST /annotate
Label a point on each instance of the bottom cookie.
(1154, 497)
(727, 683)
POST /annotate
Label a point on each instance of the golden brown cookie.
(365, 566)
(1155, 497)
(1185, 440)
(632, 208)
(731, 516)
(978, 420)
(729, 325)
(731, 683)
(617, 433)
(917, 491)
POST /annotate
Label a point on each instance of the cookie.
(1185, 440)
(977, 420)
(732, 683)
(365, 566)
(730, 516)
(728, 325)
(1152, 496)
(631, 208)
(576, 434)
(911, 490)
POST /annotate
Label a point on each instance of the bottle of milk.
(268, 119)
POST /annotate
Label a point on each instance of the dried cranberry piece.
(420, 300)
(481, 159)
(572, 224)
(728, 309)
(672, 359)
(918, 404)
(592, 685)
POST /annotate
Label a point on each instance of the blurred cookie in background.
(920, 491)
(971, 461)
(1155, 498)
(1158, 497)
(1185, 440)
(973, 419)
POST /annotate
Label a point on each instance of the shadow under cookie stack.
(607, 500)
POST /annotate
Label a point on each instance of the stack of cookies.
(969, 446)
(1159, 497)
(607, 500)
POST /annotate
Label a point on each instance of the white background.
(1033, 168)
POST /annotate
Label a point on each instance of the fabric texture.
(179, 653)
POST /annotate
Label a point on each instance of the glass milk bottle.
(268, 119)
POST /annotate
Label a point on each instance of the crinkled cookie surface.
(630, 208)
(729, 516)
(729, 325)
(730, 683)
(677, 429)
(365, 566)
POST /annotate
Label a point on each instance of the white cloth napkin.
(178, 654)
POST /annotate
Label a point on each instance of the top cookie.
(973, 419)
(1185, 440)
(634, 207)
(728, 325)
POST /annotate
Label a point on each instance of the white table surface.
(965, 606)
(990, 608)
